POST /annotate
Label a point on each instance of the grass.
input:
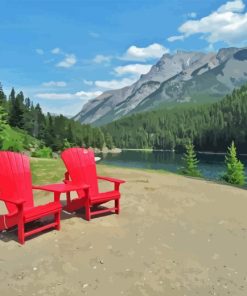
(45, 171)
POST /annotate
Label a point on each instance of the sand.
(174, 236)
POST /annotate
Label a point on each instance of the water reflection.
(211, 165)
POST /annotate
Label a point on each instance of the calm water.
(211, 165)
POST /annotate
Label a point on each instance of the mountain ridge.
(179, 78)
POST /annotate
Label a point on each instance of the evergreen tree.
(3, 98)
(108, 141)
(16, 109)
(3, 124)
(190, 161)
(234, 167)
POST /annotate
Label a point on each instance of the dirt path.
(174, 236)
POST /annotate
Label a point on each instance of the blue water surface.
(211, 165)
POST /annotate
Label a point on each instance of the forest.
(25, 122)
(211, 127)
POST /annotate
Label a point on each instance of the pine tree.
(190, 161)
(16, 109)
(234, 167)
(3, 98)
(3, 123)
(108, 141)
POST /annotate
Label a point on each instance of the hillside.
(211, 127)
(180, 78)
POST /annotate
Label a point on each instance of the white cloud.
(54, 83)
(114, 84)
(56, 50)
(233, 6)
(98, 59)
(55, 96)
(88, 95)
(40, 51)
(228, 24)
(152, 51)
(88, 82)
(136, 69)
(63, 108)
(68, 96)
(69, 61)
(192, 15)
(175, 38)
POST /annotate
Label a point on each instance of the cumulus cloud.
(69, 96)
(54, 83)
(56, 50)
(99, 59)
(135, 69)
(233, 6)
(175, 38)
(152, 51)
(228, 24)
(114, 84)
(192, 15)
(40, 51)
(88, 94)
(68, 61)
(88, 82)
(55, 96)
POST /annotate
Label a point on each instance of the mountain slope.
(179, 78)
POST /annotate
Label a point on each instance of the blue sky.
(61, 53)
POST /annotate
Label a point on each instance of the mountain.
(180, 78)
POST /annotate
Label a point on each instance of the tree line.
(210, 127)
(54, 131)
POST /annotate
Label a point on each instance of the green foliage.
(66, 144)
(44, 152)
(190, 161)
(211, 127)
(54, 131)
(12, 140)
(3, 116)
(234, 168)
(108, 141)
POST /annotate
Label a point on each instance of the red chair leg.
(117, 206)
(57, 220)
(21, 237)
(68, 198)
(88, 211)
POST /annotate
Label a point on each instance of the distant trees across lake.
(54, 131)
(210, 127)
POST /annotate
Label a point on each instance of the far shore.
(168, 150)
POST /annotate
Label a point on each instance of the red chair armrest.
(15, 202)
(113, 180)
(60, 187)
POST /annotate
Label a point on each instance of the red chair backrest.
(15, 179)
(81, 166)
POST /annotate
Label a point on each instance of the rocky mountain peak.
(186, 76)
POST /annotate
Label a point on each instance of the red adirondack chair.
(16, 192)
(81, 169)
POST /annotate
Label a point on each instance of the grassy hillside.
(18, 140)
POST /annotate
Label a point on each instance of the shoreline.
(167, 150)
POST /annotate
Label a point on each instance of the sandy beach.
(174, 236)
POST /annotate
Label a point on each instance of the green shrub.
(190, 162)
(44, 152)
(234, 168)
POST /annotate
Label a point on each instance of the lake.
(211, 165)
